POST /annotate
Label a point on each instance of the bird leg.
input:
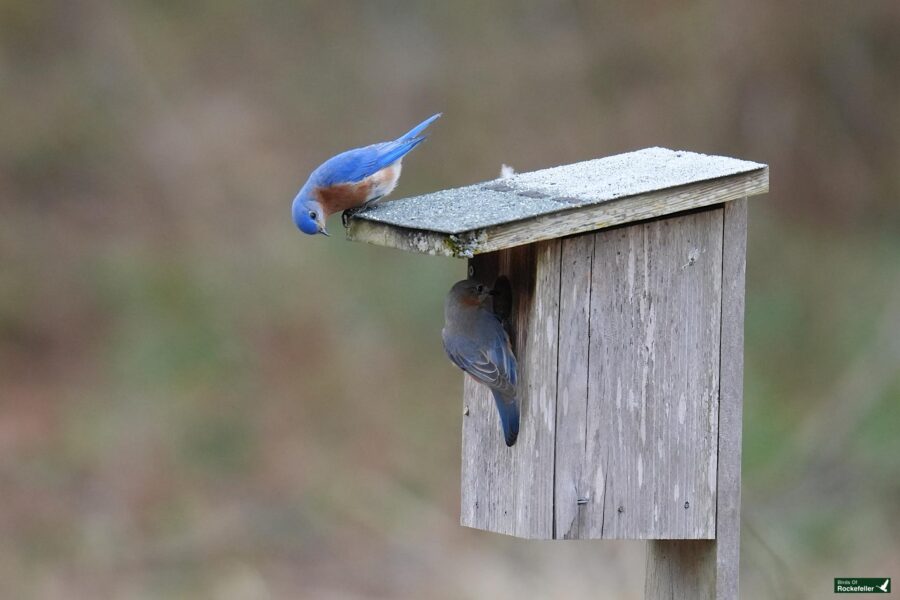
(351, 212)
(348, 214)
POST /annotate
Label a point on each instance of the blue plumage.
(357, 164)
(508, 409)
(412, 133)
(475, 341)
(353, 179)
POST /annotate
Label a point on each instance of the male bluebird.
(353, 179)
(476, 342)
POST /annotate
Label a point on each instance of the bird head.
(470, 293)
(308, 215)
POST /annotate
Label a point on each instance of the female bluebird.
(476, 342)
(353, 179)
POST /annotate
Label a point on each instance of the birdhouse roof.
(556, 202)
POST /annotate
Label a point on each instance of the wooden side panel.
(646, 467)
(510, 490)
(731, 401)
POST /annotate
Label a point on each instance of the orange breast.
(342, 196)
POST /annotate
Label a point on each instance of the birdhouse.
(624, 301)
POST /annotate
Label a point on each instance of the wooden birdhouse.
(625, 309)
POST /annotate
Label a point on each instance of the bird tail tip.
(508, 408)
(415, 131)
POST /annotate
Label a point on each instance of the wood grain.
(644, 466)
(574, 475)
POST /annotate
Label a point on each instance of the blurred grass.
(196, 402)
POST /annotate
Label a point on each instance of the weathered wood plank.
(680, 570)
(573, 476)
(728, 508)
(653, 382)
(510, 490)
(563, 222)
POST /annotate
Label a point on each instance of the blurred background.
(198, 402)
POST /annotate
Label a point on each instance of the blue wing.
(357, 164)
(492, 364)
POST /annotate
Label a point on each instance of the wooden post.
(627, 282)
(681, 570)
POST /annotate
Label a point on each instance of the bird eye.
(312, 215)
(480, 289)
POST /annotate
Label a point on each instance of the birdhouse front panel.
(510, 489)
(618, 338)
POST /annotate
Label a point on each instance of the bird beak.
(324, 231)
(493, 292)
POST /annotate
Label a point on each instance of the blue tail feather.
(508, 408)
(397, 152)
(419, 128)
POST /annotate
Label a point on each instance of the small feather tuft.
(506, 171)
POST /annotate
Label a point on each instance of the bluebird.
(352, 180)
(476, 342)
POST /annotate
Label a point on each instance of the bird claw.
(352, 212)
